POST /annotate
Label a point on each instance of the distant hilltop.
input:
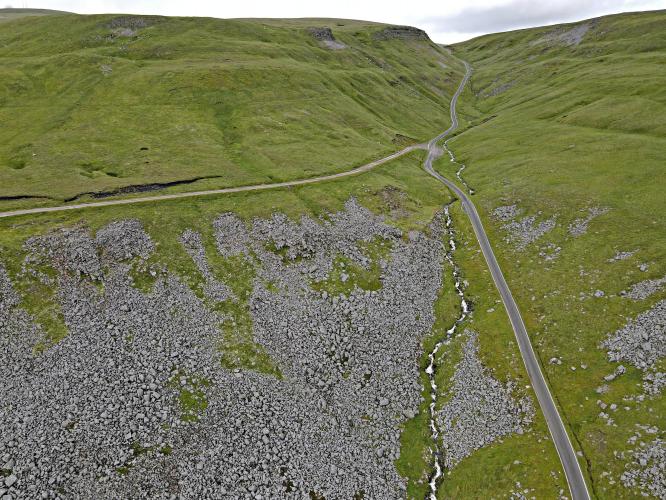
(10, 13)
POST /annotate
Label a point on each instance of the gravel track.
(211, 192)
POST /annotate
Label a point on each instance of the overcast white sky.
(446, 21)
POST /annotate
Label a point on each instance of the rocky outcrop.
(401, 33)
(646, 471)
(642, 341)
(325, 36)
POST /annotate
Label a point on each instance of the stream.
(432, 366)
(460, 170)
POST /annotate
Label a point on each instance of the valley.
(238, 261)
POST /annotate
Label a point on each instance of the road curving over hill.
(565, 450)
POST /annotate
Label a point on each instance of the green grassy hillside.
(96, 103)
(561, 120)
(10, 14)
(556, 121)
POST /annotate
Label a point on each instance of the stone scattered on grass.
(645, 289)
(213, 288)
(135, 402)
(496, 88)
(506, 213)
(550, 252)
(647, 470)
(620, 370)
(654, 382)
(526, 230)
(579, 226)
(622, 256)
(642, 341)
(481, 409)
(569, 37)
(231, 235)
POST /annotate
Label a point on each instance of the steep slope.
(97, 103)
(564, 149)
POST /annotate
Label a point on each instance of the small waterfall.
(432, 366)
(460, 170)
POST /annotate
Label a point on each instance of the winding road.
(561, 440)
(572, 470)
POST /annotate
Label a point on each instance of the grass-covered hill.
(566, 124)
(96, 103)
(10, 14)
(560, 125)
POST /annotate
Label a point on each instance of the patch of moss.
(40, 300)
(347, 275)
(138, 449)
(192, 398)
(193, 403)
(142, 279)
(123, 470)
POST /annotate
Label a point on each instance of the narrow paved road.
(239, 189)
(561, 440)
